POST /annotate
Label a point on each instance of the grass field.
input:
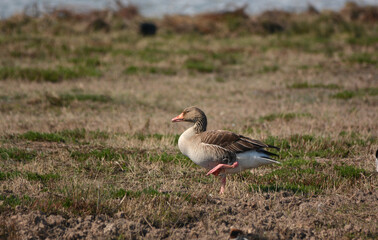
(87, 148)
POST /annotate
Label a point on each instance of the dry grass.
(85, 123)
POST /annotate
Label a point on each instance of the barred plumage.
(220, 151)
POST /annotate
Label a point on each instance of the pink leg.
(219, 167)
(223, 184)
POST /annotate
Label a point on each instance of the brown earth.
(266, 216)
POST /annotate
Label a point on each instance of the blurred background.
(154, 8)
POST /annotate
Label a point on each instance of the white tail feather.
(251, 159)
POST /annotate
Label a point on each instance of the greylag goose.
(221, 152)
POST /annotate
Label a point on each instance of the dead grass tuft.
(127, 11)
(8, 230)
(352, 11)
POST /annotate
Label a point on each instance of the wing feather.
(220, 154)
(232, 141)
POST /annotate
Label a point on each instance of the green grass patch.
(304, 176)
(345, 95)
(156, 136)
(309, 146)
(150, 191)
(350, 172)
(284, 116)
(14, 200)
(295, 179)
(295, 188)
(164, 215)
(114, 154)
(153, 54)
(49, 75)
(9, 175)
(370, 91)
(42, 137)
(364, 40)
(149, 54)
(11, 200)
(67, 135)
(363, 58)
(120, 193)
(65, 99)
(67, 202)
(348, 94)
(91, 50)
(106, 153)
(17, 154)
(282, 143)
(303, 43)
(142, 136)
(226, 57)
(98, 134)
(307, 67)
(133, 70)
(68, 97)
(299, 162)
(199, 65)
(40, 49)
(7, 99)
(169, 158)
(176, 138)
(74, 134)
(44, 178)
(87, 61)
(220, 79)
(304, 85)
(269, 69)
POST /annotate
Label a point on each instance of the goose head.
(190, 114)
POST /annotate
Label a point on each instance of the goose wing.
(234, 142)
